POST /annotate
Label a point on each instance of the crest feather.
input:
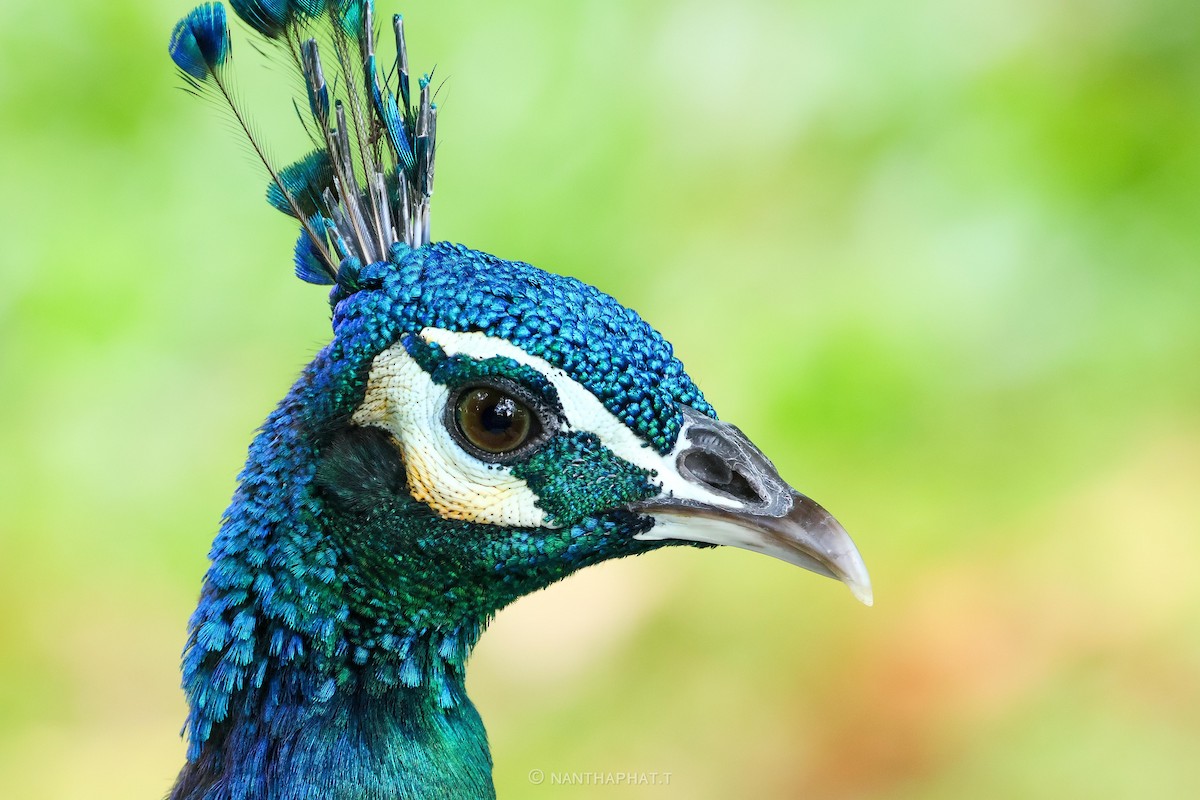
(367, 187)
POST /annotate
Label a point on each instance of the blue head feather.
(200, 42)
(302, 185)
(307, 258)
(309, 8)
(268, 17)
(351, 14)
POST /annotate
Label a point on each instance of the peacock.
(476, 430)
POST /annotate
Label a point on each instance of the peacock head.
(476, 430)
(509, 426)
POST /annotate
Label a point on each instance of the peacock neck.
(306, 676)
(302, 735)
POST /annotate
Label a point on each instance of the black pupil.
(499, 418)
(493, 420)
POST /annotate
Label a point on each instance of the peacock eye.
(494, 421)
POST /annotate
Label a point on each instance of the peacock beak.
(719, 488)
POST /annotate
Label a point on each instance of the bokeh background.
(940, 258)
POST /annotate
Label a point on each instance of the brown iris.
(493, 420)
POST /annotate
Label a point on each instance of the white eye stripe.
(582, 410)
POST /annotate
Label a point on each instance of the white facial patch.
(402, 399)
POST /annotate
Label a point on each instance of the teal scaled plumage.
(476, 430)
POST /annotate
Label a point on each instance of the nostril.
(740, 488)
(717, 474)
(706, 468)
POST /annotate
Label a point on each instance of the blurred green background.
(938, 257)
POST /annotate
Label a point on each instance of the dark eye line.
(518, 390)
(524, 383)
(458, 371)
